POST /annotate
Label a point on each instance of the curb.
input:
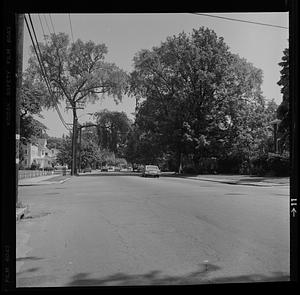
(20, 212)
(43, 182)
(238, 183)
(64, 180)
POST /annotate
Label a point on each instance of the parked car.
(87, 169)
(150, 170)
(104, 169)
(111, 169)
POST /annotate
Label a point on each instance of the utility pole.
(72, 105)
(19, 70)
(74, 141)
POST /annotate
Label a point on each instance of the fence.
(35, 173)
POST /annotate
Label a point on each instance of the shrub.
(190, 170)
(34, 166)
(259, 165)
(274, 164)
(279, 164)
(229, 165)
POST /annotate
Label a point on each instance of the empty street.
(96, 230)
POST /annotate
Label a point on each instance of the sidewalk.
(43, 180)
(242, 179)
(40, 180)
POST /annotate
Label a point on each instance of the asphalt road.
(128, 230)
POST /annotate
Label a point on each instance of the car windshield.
(152, 167)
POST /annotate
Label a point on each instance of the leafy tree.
(113, 129)
(195, 97)
(65, 153)
(31, 102)
(283, 111)
(77, 73)
(30, 105)
(55, 142)
(90, 154)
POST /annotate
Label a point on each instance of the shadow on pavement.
(28, 258)
(275, 277)
(28, 270)
(263, 179)
(151, 278)
(157, 278)
(109, 174)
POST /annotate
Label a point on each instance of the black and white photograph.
(153, 149)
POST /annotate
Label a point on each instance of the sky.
(126, 34)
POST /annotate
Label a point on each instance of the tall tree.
(31, 104)
(113, 129)
(192, 89)
(77, 73)
(55, 142)
(283, 111)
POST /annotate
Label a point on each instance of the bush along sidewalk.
(271, 164)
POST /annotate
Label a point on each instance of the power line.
(42, 26)
(52, 23)
(43, 71)
(47, 24)
(56, 107)
(240, 20)
(71, 27)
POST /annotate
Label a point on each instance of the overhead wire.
(43, 70)
(47, 24)
(240, 20)
(71, 27)
(42, 26)
(51, 23)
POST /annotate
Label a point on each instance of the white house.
(38, 153)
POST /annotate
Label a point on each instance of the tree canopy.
(76, 71)
(283, 111)
(31, 103)
(113, 128)
(196, 98)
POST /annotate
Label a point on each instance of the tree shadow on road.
(158, 278)
(28, 258)
(100, 174)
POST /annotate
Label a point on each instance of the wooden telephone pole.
(74, 106)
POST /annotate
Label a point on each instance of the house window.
(46, 154)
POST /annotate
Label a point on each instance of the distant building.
(38, 153)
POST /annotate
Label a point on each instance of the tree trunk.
(180, 169)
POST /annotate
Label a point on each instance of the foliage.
(54, 142)
(31, 102)
(77, 72)
(271, 164)
(197, 98)
(64, 155)
(34, 166)
(90, 154)
(283, 111)
(113, 129)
